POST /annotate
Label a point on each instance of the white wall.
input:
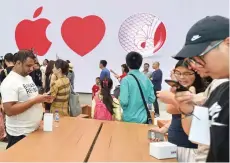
(177, 15)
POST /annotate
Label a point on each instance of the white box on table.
(163, 150)
(48, 122)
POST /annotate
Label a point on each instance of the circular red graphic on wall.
(144, 33)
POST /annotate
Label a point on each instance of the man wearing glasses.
(206, 50)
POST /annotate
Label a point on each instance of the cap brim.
(191, 50)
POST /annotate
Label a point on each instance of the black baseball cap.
(202, 33)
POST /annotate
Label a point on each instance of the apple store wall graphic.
(88, 31)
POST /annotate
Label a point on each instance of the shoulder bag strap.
(149, 120)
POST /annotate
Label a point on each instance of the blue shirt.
(104, 73)
(157, 79)
(176, 134)
(130, 97)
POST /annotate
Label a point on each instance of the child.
(104, 105)
(96, 87)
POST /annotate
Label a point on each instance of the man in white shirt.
(21, 101)
(43, 70)
(146, 71)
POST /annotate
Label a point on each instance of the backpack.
(116, 91)
(101, 112)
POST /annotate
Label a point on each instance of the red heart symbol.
(82, 35)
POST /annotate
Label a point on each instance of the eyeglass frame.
(208, 49)
(190, 74)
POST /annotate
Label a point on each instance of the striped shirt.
(60, 89)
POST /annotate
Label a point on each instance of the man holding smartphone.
(207, 52)
(21, 101)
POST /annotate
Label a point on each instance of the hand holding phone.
(155, 136)
(173, 83)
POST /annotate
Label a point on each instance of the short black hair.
(98, 78)
(9, 57)
(146, 64)
(103, 62)
(134, 60)
(63, 65)
(67, 61)
(22, 55)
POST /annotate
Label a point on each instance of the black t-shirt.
(47, 83)
(37, 77)
(218, 104)
(176, 134)
(5, 72)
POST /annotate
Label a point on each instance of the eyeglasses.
(212, 46)
(185, 74)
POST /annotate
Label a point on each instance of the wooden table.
(71, 141)
(123, 142)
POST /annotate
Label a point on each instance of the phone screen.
(159, 136)
(155, 135)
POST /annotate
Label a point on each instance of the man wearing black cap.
(206, 50)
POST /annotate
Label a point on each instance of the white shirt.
(16, 88)
(43, 70)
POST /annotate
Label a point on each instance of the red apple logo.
(32, 34)
(82, 35)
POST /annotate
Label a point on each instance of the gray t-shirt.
(148, 74)
(16, 88)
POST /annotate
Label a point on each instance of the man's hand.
(161, 130)
(185, 101)
(199, 99)
(43, 98)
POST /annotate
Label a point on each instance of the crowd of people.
(202, 71)
(26, 87)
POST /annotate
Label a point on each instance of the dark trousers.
(155, 104)
(13, 140)
(47, 107)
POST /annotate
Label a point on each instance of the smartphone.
(173, 83)
(155, 135)
(48, 93)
